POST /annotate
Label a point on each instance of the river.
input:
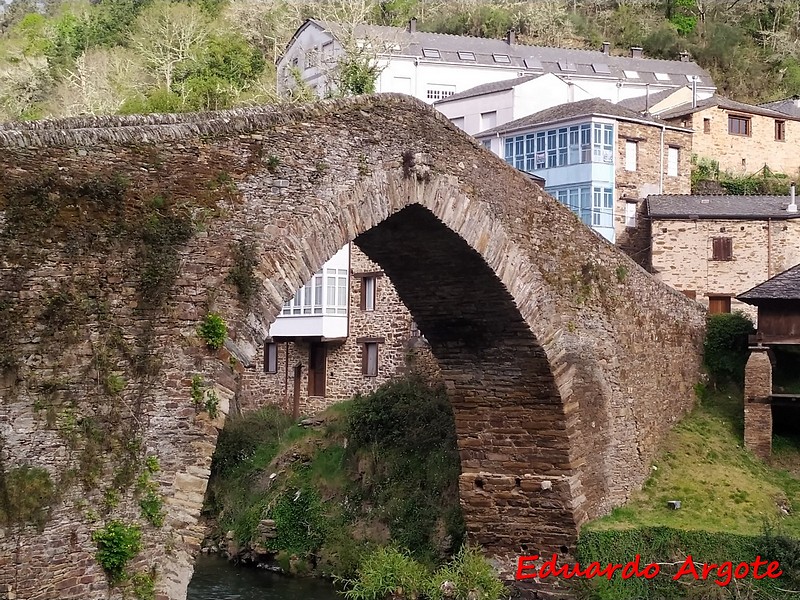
(217, 579)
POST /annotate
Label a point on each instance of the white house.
(433, 66)
(493, 104)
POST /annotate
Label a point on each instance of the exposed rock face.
(565, 362)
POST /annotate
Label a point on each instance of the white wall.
(471, 109)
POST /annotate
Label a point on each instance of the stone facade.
(743, 154)
(682, 255)
(390, 322)
(651, 176)
(560, 356)
(757, 406)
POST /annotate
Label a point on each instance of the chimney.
(647, 98)
(796, 100)
(412, 25)
(606, 48)
(636, 52)
(684, 56)
(792, 208)
(694, 91)
(511, 37)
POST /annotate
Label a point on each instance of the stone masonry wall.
(757, 406)
(682, 252)
(564, 362)
(745, 154)
(390, 321)
(650, 177)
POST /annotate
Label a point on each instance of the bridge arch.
(564, 361)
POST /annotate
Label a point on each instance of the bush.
(468, 572)
(117, 543)
(26, 494)
(384, 572)
(213, 331)
(725, 349)
(242, 436)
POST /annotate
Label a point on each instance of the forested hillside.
(69, 57)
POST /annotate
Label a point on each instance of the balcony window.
(560, 147)
(312, 299)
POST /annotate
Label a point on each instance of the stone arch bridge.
(565, 362)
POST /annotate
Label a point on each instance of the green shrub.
(385, 571)
(213, 331)
(144, 586)
(151, 506)
(725, 349)
(117, 543)
(299, 520)
(469, 572)
(26, 494)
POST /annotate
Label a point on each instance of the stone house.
(743, 138)
(345, 332)
(713, 248)
(599, 159)
(432, 66)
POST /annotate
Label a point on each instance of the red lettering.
(592, 570)
(707, 569)
(725, 571)
(651, 570)
(739, 566)
(576, 571)
(770, 571)
(634, 564)
(758, 562)
(550, 568)
(521, 566)
(687, 568)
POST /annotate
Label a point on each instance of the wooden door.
(316, 369)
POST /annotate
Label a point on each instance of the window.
(601, 68)
(780, 131)
(719, 304)
(501, 58)
(630, 155)
(369, 358)
(533, 64)
(630, 214)
(327, 51)
(369, 286)
(567, 67)
(307, 300)
(466, 55)
(672, 161)
(738, 125)
(458, 122)
(722, 248)
(431, 53)
(706, 125)
(336, 280)
(662, 77)
(270, 357)
(437, 92)
(593, 206)
(603, 143)
(559, 147)
(488, 120)
(487, 144)
(311, 58)
(631, 75)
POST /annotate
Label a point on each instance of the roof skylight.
(431, 53)
(533, 64)
(631, 75)
(601, 68)
(566, 66)
(662, 77)
(501, 58)
(466, 55)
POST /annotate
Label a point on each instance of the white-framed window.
(553, 148)
(630, 155)
(369, 287)
(438, 91)
(270, 357)
(336, 280)
(631, 74)
(662, 77)
(603, 143)
(672, 161)
(630, 214)
(488, 120)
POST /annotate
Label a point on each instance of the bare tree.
(168, 35)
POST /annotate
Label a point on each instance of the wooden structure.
(778, 304)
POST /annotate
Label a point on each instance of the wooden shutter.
(722, 248)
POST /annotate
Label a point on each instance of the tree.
(168, 35)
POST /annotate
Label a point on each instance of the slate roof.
(490, 88)
(693, 206)
(788, 106)
(571, 110)
(783, 286)
(531, 58)
(725, 103)
(642, 103)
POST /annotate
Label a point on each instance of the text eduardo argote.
(722, 573)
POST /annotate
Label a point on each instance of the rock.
(448, 589)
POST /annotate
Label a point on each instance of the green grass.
(722, 487)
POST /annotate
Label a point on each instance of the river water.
(217, 579)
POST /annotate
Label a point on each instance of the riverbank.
(314, 498)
